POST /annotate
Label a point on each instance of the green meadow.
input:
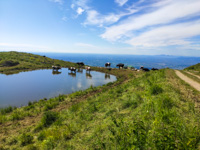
(141, 110)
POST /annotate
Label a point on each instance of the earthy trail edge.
(193, 74)
(191, 82)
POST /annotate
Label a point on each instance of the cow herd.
(107, 65)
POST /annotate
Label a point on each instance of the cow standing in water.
(120, 65)
(72, 69)
(88, 69)
(107, 64)
(56, 67)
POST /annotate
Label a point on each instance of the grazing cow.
(80, 64)
(88, 69)
(144, 69)
(72, 69)
(120, 65)
(56, 67)
(107, 64)
(154, 69)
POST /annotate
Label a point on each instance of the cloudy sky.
(147, 27)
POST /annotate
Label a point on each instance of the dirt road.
(191, 82)
(193, 74)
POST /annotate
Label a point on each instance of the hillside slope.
(13, 62)
(194, 68)
(154, 110)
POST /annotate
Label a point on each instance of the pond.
(19, 89)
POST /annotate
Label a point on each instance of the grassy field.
(153, 110)
(14, 62)
(194, 69)
(141, 111)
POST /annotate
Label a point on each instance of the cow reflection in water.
(80, 70)
(88, 75)
(56, 72)
(73, 74)
(107, 76)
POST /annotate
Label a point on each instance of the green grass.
(194, 69)
(14, 62)
(140, 112)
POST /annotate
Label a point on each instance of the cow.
(107, 64)
(72, 69)
(80, 64)
(88, 69)
(144, 69)
(154, 69)
(120, 65)
(56, 67)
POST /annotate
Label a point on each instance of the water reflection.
(56, 72)
(73, 74)
(80, 70)
(88, 75)
(107, 76)
(19, 89)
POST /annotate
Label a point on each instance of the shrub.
(6, 110)
(9, 63)
(48, 118)
(26, 139)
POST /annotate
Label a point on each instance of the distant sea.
(148, 61)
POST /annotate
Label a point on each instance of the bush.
(9, 63)
(6, 110)
(48, 118)
(26, 139)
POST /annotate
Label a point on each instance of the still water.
(19, 89)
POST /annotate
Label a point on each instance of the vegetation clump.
(48, 118)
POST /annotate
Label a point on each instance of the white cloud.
(173, 11)
(64, 18)
(85, 45)
(95, 18)
(79, 10)
(121, 2)
(72, 6)
(57, 1)
(177, 34)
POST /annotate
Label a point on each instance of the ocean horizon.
(148, 61)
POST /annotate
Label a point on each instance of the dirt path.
(191, 82)
(193, 74)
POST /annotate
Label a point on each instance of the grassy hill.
(13, 62)
(194, 67)
(154, 110)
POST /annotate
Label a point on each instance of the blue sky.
(144, 27)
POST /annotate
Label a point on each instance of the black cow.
(56, 67)
(107, 64)
(120, 65)
(144, 69)
(80, 63)
(72, 69)
(154, 69)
